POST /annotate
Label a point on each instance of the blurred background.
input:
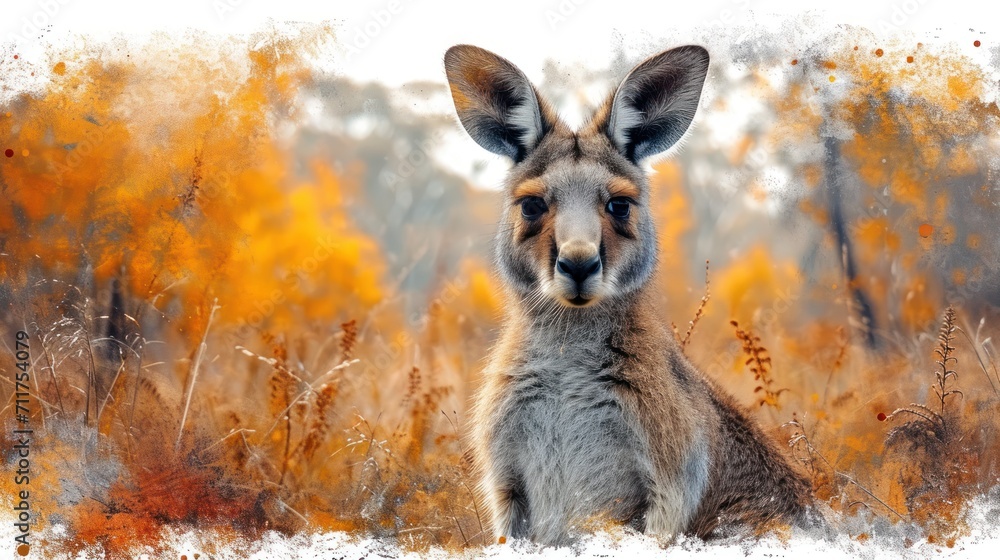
(256, 265)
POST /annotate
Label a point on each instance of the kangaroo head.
(576, 225)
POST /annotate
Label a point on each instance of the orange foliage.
(321, 398)
(160, 168)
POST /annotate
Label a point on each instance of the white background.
(409, 44)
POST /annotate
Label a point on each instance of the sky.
(395, 41)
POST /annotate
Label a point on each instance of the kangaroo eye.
(619, 207)
(533, 207)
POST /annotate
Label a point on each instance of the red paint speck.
(795, 61)
(9, 152)
(881, 417)
(878, 52)
(976, 43)
(16, 57)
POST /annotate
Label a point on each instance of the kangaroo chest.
(576, 450)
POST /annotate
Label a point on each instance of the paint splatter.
(976, 43)
(208, 191)
(8, 152)
(909, 59)
(879, 52)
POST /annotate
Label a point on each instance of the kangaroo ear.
(496, 103)
(656, 102)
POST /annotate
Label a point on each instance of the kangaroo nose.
(579, 270)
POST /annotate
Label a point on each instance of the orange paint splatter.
(16, 57)
(248, 218)
(878, 52)
(25, 152)
(23, 550)
(830, 65)
(909, 59)
(976, 43)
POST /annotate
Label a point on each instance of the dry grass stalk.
(940, 459)
(195, 365)
(697, 314)
(930, 427)
(759, 361)
(349, 340)
(821, 477)
(321, 422)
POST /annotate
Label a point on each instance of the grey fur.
(589, 411)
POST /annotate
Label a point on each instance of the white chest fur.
(562, 433)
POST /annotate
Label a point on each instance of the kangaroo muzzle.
(578, 272)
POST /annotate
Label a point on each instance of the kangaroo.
(588, 409)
